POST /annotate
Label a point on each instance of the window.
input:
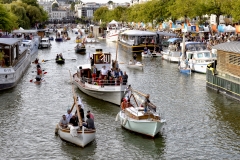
(200, 55)
(207, 54)
(233, 59)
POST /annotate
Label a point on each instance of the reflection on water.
(201, 124)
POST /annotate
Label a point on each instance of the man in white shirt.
(104, 71)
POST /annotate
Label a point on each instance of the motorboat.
(30, 39)
(14, 61)
(111, 90)
(197, 57)
(44, 43)
(138, 118)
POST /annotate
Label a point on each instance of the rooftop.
(233, 46)
(9, 41)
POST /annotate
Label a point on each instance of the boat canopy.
(166, 34)
(113, 22)
(25, 31)
(172, 40)
(138, 33)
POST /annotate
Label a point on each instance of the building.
(58, 13)
(224, 75)
(86, 10)
(133, 2)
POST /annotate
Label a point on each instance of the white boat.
(79, 137)
(137, 65)
(31, 40)
(110, 91)
(138, 119)
(14, 61)
(73, 134)
(171, 53)
(44, 43)
(197, 57)
(113, 30)
(91, 40)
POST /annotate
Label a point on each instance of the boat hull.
(200, 67)
(58, 39)
(146, 127)
(140, 67)
(13, 74)
(112, 94)
(82, 138)
(60, 61)
(81, 50)
(135, 49)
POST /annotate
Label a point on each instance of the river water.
(201, 124)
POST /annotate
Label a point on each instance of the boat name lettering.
(7, 70)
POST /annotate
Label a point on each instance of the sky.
(105, 1)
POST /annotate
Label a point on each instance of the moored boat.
(113, 30)
(136, 40)
(14, 61)
(30, 39)
(111, 90)
(138, 118)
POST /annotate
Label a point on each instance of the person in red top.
(90, 114)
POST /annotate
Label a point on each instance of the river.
(201, 124)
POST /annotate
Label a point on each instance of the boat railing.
(101, 82)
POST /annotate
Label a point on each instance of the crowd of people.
(106, 77)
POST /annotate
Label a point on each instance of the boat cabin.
(137, 37)
(102, 59)
(11, 52)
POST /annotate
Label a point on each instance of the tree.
(101, 14)
(7, 19)
(236, 10)
(73, 6)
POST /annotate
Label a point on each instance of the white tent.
(230, 28)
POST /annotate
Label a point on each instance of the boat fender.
(56, 129)
(117, 117)
(125, 121)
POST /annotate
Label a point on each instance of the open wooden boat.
(81, 138)
(139, 119)
(110, 91)
(73, 134)
(81, 49)
(58, 39)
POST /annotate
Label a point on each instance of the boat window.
(207, 54)
(214, 55)
(200, 55)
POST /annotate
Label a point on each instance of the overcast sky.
(105, 1)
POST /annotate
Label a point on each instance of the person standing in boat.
(69, 114)
(104, 72)
(94, 73)
(124, 78)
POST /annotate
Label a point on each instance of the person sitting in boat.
(38, 78)
(57, 57)
(69, 114)
(90, 114)
(73, 121)
(61, 56)
(149, 52)
(145, 50)
(63, 122)
(36, 61)
(130, 62)
(39, 71)
(134, 58)
(124, 78)
(89, 123)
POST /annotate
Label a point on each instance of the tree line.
(20, 13)
(161, 10)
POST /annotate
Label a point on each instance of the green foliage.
(72, 6)
(31, 2)
(7, 19)
(101, 14)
